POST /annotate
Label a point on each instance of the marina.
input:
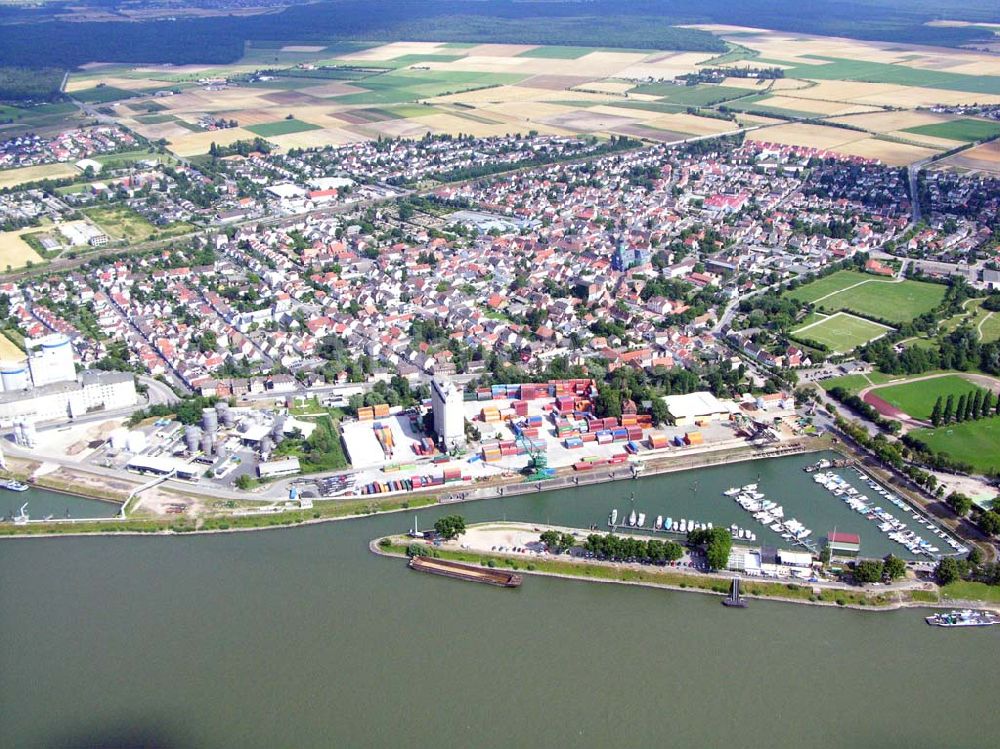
(365, 629)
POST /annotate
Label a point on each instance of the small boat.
(732, 491)
(22, 516)
(668, 524)
(658, 523)
(750, 487)
(613, 519)
(642, 519)
(632, 518)
(13, 485)
(965, 618)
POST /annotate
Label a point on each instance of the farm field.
(22, 175)
(121, 223)
(841, 332)
(965, 129)
(8, 350)
(973, 442)
(917, 398)
(894, 301)
(14, 251)
(281, 127)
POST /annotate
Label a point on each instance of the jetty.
(459, 571)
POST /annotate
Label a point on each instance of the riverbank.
(835, 595)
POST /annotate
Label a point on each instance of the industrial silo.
(278, 429)
(135, 442)
(227, 417)
(207, 443)
(14, 376)
(119, 439)
(266, 445)
(192, 435)
(209, 420)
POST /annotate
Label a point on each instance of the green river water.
(303, 638)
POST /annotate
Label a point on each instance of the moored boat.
(964, 618)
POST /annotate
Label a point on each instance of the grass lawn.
(989, 330)
(841, 332)
(917, 398)
(121, 222)
(855, 383)
(963, 590)
(964, 129)
(281, 127)
(864, 294)
(973, 442)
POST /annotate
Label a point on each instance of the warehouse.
(692, 408)
(844, 544)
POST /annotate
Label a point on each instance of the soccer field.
(973, 442)
(841, 332)
(894, 301)
(917, 398)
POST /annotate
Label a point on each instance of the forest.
(644, 24)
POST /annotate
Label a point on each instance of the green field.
(690, 96)
(840, 332)
(989, 330)
(855, 383)
(894, 301)
(281, 127)
(965, 129)
(401, 86)
(558, 53)
(104, 94)
(120, 222)
(839, 69)
(973, 442)
(917, 398)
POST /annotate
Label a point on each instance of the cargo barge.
(460, 571)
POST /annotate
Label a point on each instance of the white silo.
(136, 442)
(209, 420)
(24, 432)
(192, 435)
(119, 439)
(14, 376)
(51, 359)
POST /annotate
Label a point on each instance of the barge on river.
(459, 571)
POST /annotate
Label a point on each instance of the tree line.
(618, 548)
(978, 404)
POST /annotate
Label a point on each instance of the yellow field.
(193, 144)
(609, 87)
(15, 177)
(692, 124)
(817, 106)
(8, 351)
(893, 154)
(14, 251)
(799, 134)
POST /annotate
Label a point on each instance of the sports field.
(917, 398)
(841, 332)
(964, 129)
(894, 301)
(973, 442)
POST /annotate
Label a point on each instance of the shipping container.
(694, 438)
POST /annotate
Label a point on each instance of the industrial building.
(692, 408)
(844, 544)
(449, 413)
(95, 390)
(49, 359)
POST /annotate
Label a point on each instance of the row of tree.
(618, 548)
(879, 570)
(717, 543)
(978, 404)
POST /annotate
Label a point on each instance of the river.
(301, 637)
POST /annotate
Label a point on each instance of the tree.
(948, 571)
(936, 413)
(717, 543)
(557, 542)
(608, 402)
(987, 408)
(989, 522)
(869, 571)
(960, 503)
(970, 408)
(245, 481)
(659, 412)
(977, 405)
(894, 567)
(960, 409)
(949, 409)
(450, 526)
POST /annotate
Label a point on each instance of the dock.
(459, 571)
